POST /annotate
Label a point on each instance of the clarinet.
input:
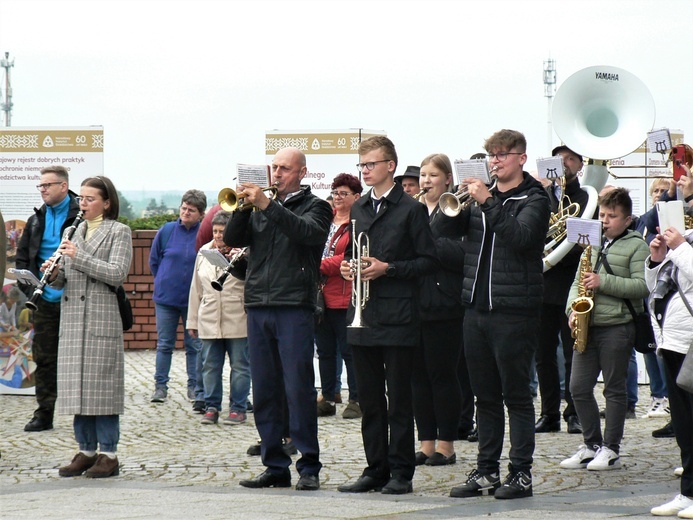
(218, 284)
(32, 303)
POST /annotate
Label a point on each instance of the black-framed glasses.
(46, 185)
(369, 165)
(502, 156)
(341, 194)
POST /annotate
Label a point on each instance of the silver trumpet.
(451, 204)
(359, 288)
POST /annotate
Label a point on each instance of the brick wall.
(140, 287)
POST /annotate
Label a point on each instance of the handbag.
(124, 306)
(684, 379)
(644, 333)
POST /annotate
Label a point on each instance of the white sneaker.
(686, 513)
(679, 503)
(654, 406)
(580, 460)
(662, 410)
(678, 471)
(605, 459)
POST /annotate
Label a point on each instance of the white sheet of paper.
(584, 231)
(670, 214)
(254, 173)
(472, 169)
(550, 167)
(25, 276)
(215, 257)
(659, 141)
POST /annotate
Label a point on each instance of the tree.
(125, 207)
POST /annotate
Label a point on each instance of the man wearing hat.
(557, 282)
(410, 180)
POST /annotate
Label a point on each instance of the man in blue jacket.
(286, 236)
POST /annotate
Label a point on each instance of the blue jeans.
(167, 319)
(213, 354)
(330, 339)
(655, 369)
(93, 430)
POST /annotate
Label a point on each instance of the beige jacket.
(215, 314)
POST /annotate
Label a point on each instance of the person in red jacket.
(330, 332)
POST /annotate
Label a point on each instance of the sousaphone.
(602, 113)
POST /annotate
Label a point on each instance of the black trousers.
(681, 404)
(45, 351)
(435, 384)
(553, 322)
(387, 426)
(499, 348)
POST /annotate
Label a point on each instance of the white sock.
(331, 403)
(110, 454)
(88, 453)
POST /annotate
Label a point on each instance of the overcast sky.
(187, 89)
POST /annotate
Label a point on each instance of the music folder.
(216, 258)
(584, 231)
(670, 214)
(550, 167)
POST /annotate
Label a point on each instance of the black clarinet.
(218, 284)
(32, 303)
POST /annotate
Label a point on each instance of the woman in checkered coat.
(90, 352)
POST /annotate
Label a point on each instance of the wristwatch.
(390, 271)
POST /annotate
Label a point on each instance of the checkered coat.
(90, 351)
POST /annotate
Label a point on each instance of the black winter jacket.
(285, 246)
(517, 221)
(30, 243)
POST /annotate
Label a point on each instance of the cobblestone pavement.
(173, 466)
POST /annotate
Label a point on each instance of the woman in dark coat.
(90, 352)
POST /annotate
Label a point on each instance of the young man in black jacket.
(286, 237)
(503, 291)
(401, 250)
(40, 239)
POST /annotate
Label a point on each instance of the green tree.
(126, 210)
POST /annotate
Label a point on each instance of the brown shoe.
(325, 409)
(338, 397)
(80, 463)
(104, 467)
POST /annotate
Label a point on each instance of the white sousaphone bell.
(600, 112)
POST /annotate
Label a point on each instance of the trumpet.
(421, 194)
(32, 303)
(360, 288)
(451, 204)
(229, 201)
(218, 284)
(557, 225)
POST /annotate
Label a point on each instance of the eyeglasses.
(89, 200)
(369, 165)
(502, 156)
(341, 194)
(46, 185)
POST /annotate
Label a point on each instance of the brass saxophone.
(582, 305)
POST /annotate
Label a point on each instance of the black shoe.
(363, 485)
(574, 425)
(397, 486)
(38, 425)
(438, 459)
(473, 436)
(545, 425)
(477, 485)
(289, 447)
(248, 407)
(308, 482)
(602, 413)
(630, 413)
(255, 449)
(666, 431)
(518, 484)
(267, 479)
(198, 407)
(420, 458)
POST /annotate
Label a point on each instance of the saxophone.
(582, 305)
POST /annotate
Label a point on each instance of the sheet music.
(25, 276)
(215, 257)
(254, 173)
(670, 214)
(550, 167)
(659, 141)
(472, 168)
(584, 231)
